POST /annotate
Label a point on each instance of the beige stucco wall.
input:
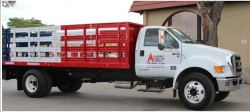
(233, 28)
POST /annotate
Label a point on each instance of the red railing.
(119, 39)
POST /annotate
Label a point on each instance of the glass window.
(166, 23)
(170, 41)
(181, 36)
(187, 22)
(151, 37)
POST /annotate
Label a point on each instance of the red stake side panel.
(108, 45)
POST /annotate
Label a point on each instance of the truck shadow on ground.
(223, 106)
(157, 104)
(141, 101)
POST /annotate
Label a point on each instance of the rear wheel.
(34, 83)
(67, 88)
(48, 82)
(221, 96)
(196, 91)
(71, 86)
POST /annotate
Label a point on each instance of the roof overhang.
(140, 6)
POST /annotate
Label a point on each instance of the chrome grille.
(236, 64)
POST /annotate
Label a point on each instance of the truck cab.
(149, 59)
(198, 71)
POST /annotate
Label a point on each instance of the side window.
(170, 41)
(151, 37)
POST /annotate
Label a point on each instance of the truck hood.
(190, 50)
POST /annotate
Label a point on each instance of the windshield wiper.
(188, 41)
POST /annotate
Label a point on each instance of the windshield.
(181, 36)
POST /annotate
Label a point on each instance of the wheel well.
(20, 73)
(200, 70)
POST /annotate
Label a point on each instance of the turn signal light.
(162, 37)
(218, 69)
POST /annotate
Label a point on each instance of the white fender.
(206, 63)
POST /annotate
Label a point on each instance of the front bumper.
(229, 84)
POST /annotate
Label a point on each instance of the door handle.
(141, 52)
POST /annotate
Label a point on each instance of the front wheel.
(221, 96)
(196, 91)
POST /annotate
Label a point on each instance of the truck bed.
(98, 45)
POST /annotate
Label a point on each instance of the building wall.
(233, 27)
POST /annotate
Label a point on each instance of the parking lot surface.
(104, 97)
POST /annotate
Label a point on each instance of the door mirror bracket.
(160, 46)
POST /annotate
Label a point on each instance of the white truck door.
(153, 62)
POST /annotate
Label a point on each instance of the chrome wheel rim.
(194, 92)
(31, 83)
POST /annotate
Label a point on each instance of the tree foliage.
(21, 23)
(210, 20)
(8, 3)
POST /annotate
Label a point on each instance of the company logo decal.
(155, 61)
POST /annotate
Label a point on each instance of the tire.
(34, 83)
(77, 88)
(196, 85)
(221, 96)
(48, 82)
(70, 87)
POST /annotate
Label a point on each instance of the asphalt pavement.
(104, 97)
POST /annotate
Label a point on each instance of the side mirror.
(161, 36)
(160, 46)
